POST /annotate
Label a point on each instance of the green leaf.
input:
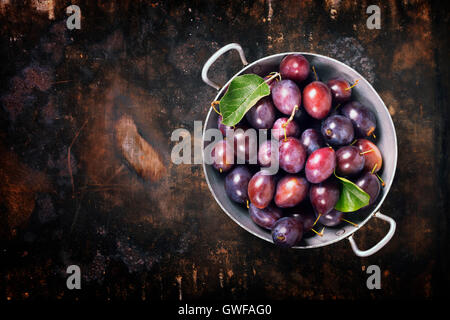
(243, 93)
(352, 197)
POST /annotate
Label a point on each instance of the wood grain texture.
(136, 151)
(150, 240)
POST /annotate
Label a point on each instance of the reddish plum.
(286, 96)
(294, 67)
(222, 156)
(292, 129)
(292, 155)
(290, 191)
(340, 90)
(320, 165)
(261, 189)
(317, 99)
(372, 155)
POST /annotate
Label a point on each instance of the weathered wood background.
(68, 197)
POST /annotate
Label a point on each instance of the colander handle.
(379, 245)
(215, 56)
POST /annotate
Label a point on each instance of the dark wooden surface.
(67, 196)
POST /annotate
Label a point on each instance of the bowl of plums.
(299, 150)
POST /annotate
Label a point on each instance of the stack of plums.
(327, 133)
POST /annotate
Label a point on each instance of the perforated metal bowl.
(327, 68)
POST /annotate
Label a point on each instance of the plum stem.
(374, 167)
(352, 223)
(318, 217)
(356, 82)
(371, 132)
(381, 180)
(213, 104)
(315, 74)
(284, 125)
(367, 151)
(248, 207)
(273, 75)
(318, 233)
